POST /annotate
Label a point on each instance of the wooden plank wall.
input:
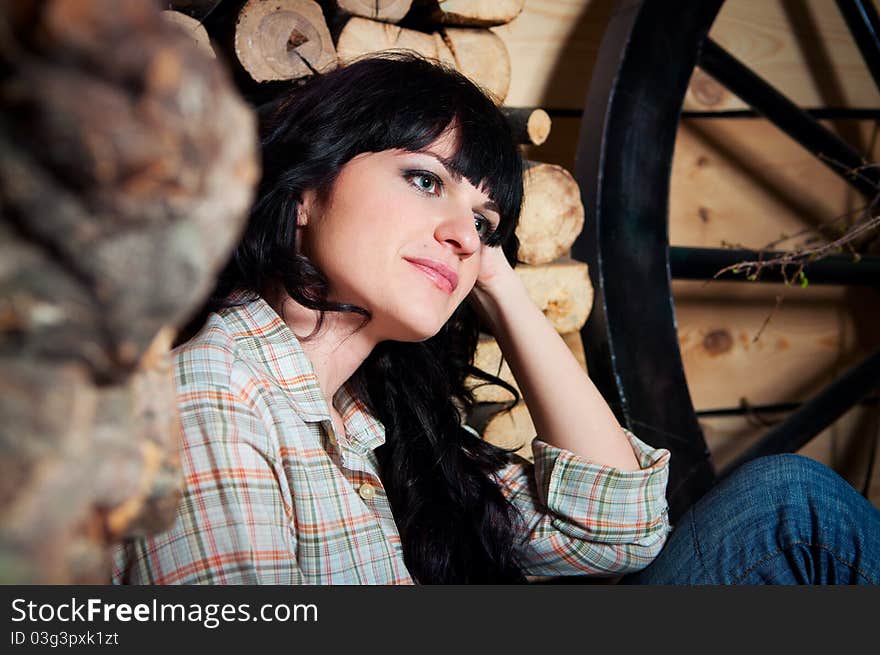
(739, 180)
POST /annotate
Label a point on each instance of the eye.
(484, 227)
(425, 182)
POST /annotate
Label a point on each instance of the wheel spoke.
(704, 263)
(817, 414)
(863, 23)
(791, 119)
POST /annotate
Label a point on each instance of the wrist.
(499, 297)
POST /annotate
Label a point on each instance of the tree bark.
(134, 190)
(127, 164)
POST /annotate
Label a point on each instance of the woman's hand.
(495, 275)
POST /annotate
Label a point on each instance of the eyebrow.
(490, 205)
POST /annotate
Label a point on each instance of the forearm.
(566, 408)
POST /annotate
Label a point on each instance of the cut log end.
(538, 126)
(552, 215)
(530, 126)
(283, 40)
(193, 28)
(388, 11)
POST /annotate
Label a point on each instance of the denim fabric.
(782, 519)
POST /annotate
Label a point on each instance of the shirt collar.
(259, 331)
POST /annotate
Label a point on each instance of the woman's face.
(400, 236)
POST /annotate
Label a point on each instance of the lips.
(443, 277)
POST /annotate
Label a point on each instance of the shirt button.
(366, 491)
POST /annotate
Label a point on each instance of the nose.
(457, 232)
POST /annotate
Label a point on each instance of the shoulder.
(208, 359)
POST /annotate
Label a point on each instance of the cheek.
(467, 277)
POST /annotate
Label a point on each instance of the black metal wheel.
(624, 163)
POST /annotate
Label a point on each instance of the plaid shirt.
(273, 496)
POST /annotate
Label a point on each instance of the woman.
(323, 401)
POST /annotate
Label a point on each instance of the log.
(45, 312)
(530, 125)
(139, 482)
(489, 359)
(474, 13)
(45, 496)
(482, 56)
(562, 290)
(283, 40)
(193, 28)
(127, 164)
(361, 36)
(552, 215)
(198, 9)
(133, 194)
(478, 54)
(84, 465)
(388, 11)
(507, 429)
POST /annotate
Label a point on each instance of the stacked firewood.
(270, 45)
(552, 217)
(127, 163)
(267, 43)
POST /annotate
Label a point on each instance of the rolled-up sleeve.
(583, 518)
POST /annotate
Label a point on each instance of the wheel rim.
(624, 164)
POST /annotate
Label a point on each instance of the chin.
(416, 326)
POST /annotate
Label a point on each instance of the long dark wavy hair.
(454, 522)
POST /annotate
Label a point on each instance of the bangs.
(393, 100)
(435, 100)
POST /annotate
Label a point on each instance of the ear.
(305, 208)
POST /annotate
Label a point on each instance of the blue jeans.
(782, 519)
